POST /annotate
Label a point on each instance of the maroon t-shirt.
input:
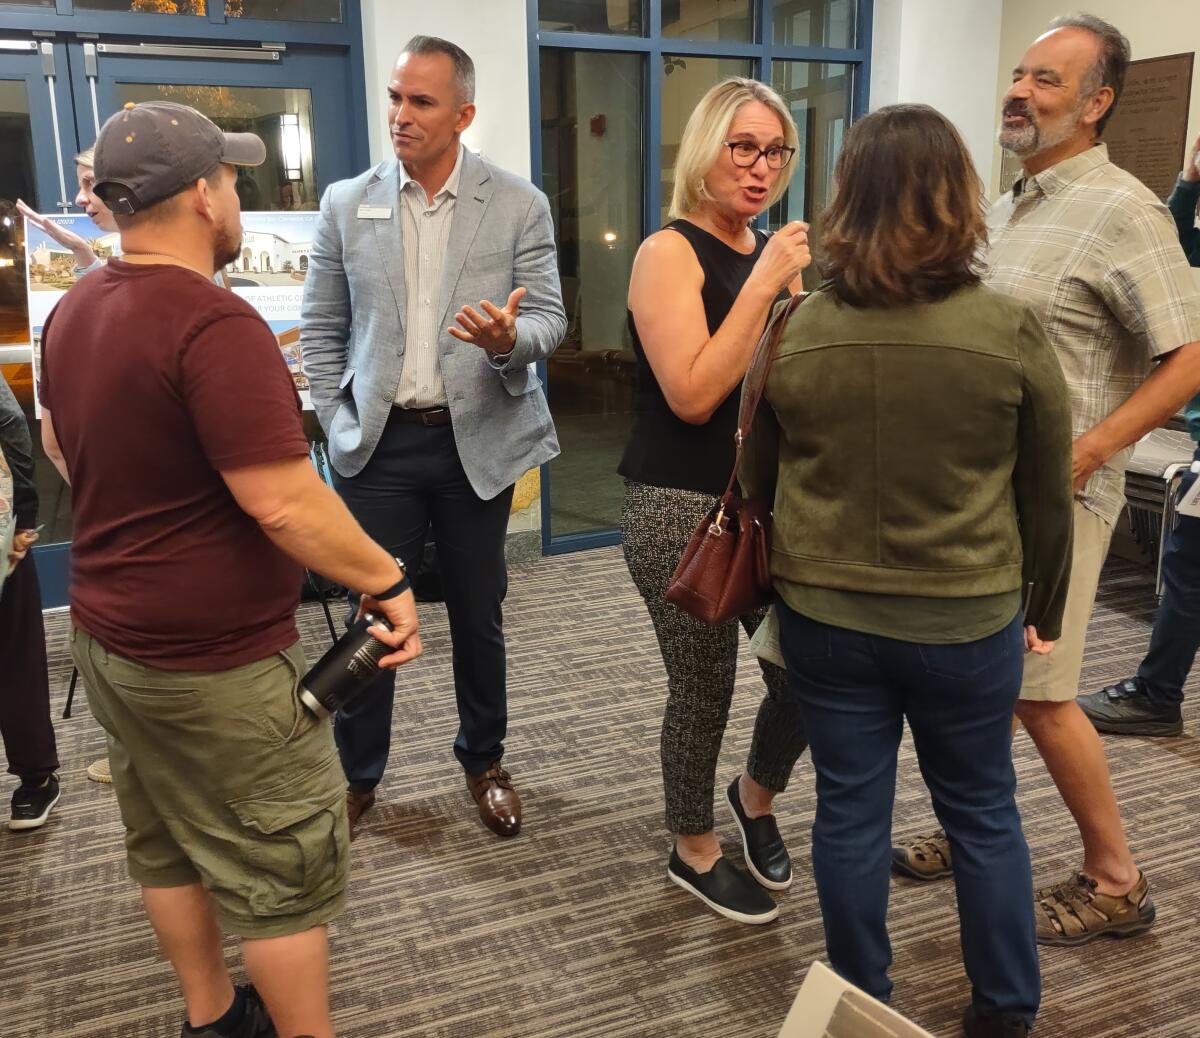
(156, 379)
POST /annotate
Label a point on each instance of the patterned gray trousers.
(701, 664)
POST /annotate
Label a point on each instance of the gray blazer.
(352, 320)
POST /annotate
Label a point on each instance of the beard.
(1033, 138)
(227, 247)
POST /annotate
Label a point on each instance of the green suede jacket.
(921, 450)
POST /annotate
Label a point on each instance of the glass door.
(591, 165)
(265, 90)
(54, 97)
(37, 146)
(35, 110)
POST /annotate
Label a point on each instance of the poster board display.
(829, 1007)
(268, 273)
(1147, 135)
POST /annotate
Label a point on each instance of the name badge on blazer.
(374, 212)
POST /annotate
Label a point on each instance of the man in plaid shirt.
(1097, 256)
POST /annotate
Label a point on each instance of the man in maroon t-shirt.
(195, 508)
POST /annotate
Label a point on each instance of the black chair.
(1156, 467)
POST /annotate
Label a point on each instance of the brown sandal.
(925, 858)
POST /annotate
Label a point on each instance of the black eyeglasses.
(745, 154)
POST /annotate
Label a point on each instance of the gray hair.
(464, 67)
(1109, 69)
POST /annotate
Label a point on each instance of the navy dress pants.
(414, 484)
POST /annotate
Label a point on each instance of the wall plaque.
(1147, 135)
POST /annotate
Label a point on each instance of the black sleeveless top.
(663, 449)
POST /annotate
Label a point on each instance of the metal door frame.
(334, 154)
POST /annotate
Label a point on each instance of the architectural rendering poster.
(268, 274)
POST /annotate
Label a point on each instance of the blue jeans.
(1176, 634)
(855, 690)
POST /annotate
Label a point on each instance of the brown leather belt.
(426, 416)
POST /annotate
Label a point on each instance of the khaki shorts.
(223, 778)
(1055, 678)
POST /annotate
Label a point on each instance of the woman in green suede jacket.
(915, 439)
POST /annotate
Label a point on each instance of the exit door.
(55, 94)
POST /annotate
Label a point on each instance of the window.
(623, 16)
(819, 96)
(708, 19)
(286, 10)
(270, 10)
(613, 84)
(184, 7)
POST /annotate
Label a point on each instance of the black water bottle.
(346, 669)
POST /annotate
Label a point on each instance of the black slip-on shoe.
(725, 889)
(1125, 709)
(31, 805)
(256, 1021)
(766, 856)
(976, 1025)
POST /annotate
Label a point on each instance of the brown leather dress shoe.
(357, 805)
(499, 804)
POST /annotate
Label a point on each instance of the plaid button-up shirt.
(1096, 255)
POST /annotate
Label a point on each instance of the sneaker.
(725, 889)
(31, 805)
(100, 771)
(977, 1025)
(1125, 709)
(256, 1023)
(927, 857)
(766, 856)
(1075, 912)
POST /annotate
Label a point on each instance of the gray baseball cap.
(151, 151)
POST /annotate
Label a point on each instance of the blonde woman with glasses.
(699, 297)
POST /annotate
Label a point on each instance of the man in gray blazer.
(432, 290)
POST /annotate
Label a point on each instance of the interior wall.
(944, 53)
(1155, 28)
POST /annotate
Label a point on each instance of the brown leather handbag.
(725, 569)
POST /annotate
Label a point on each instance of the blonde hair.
(704, 137)
(86, 158)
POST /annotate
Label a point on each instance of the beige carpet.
(571, 930)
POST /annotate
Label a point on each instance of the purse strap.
(755, 383)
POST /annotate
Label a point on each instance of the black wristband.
(398, 588)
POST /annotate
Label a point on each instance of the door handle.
(91, 72)
(49, 72)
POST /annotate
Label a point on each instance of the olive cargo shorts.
(223, 778)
